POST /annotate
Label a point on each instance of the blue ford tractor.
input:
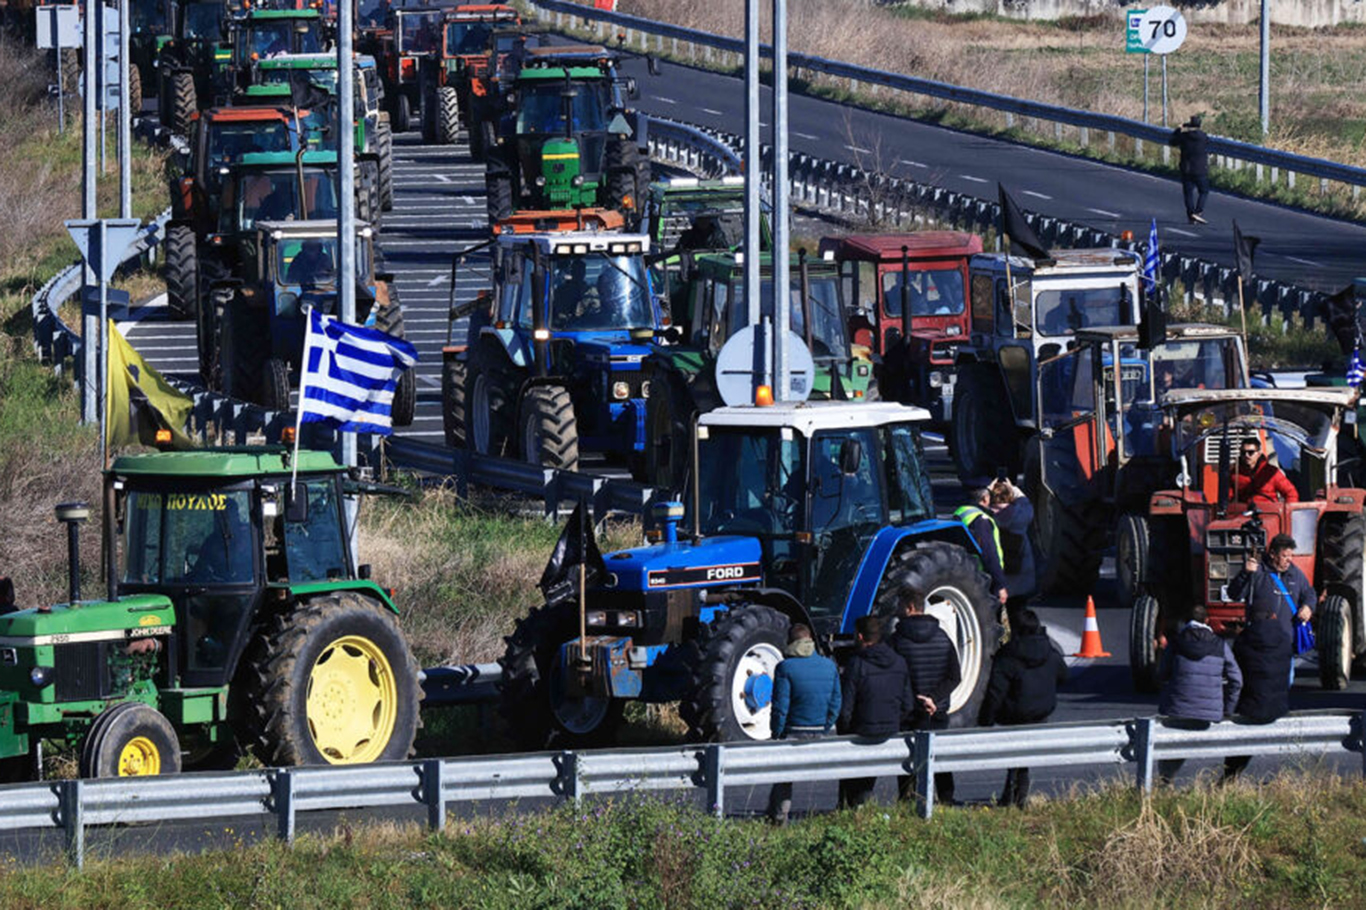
(552, 367)
(817, 513)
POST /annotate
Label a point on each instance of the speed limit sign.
(1161, 30)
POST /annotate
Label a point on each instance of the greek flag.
(1356, 370)
(1152, 262)
(349, 375)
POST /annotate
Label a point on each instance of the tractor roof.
(1179, 332)
(254, 15)
(540, 221)
(1065, 261)
(245, 114)
(722, 188)
(313, 227)
(733, 264)
(268, 90)
(919, 245)
(1334, 397)
(493, 12)
(808, 417)
(299, 62)
(268, 159)
(212, 464)
(551, 73)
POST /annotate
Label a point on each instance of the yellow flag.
(140, 401)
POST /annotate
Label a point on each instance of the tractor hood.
(716, 561)
(599, 350)
(135, 616)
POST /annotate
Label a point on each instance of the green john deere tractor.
(234, 618)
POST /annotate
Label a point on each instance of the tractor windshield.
(230, 141)
(828, 340)
(751, 481)
(1063, 311)
(930, 292)
(312, 261)
(419, 33)
(1297, 423)
(325, 79)
(204, 20)
(598, 293)
(285, 36)
(147, 16)
(541, 107)
(313, 545)
(199, 537)
(467, 37)
(273, 196)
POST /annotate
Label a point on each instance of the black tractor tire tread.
(134, 91)
(184, 103)
(384, 142)
(453, 408)
(552, 409)
(272, 711)
(501, 417)
(447, 115)
(1341, 568)
(403, 114)
(119, 724)
(707, 707)
(498, 186)
(181, 271)
(241, 354)
(1143, 652)
(208, 339)
(980, 399)
(1074, 556)
(275, 385)
(1334, 624)
(1133, 563)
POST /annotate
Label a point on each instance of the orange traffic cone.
(1090, 634)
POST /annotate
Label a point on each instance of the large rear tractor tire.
(207, 324)
(668, 454)
(403, 114)
(242, 352)
(275, 385)
(384, 141)
(1333, 640)
(134, 92)
(184, 103)
(498, 186)
(984, 436)
(530, 696)
(1070, 543)
(332, 681)
(1132, 565)
(181, 271)
(389, 320)
(732, 686)
(1342, 552)
(548, 432)
(453, 413)
(131, 739)
(447, 115)
(956, 593)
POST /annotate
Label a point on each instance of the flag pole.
(1010, 282)
(1242, 314)
(299, 411)
(583, 585)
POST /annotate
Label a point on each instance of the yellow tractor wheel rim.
(139, 757)
(352, 701)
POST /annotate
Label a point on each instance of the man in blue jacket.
(1200, 679)
(806, 704)
(1278, 588)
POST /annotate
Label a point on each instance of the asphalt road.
(1305, 249)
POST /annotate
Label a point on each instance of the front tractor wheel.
(1144, 631)
(1333, 640)
(732, 688)
(549, 432)
(532, 696)
(130, 740)
(447, 115)
(334, 683)
(956, 592)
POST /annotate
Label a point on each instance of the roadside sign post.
(1133, 45)
(59, 27)
(1159, 30)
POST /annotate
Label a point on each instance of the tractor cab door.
(848, 506)
(1072, 433)
(1015, 349)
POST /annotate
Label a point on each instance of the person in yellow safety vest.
(976, 517)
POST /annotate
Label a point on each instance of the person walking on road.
(1278, 588)
(1023, 689)
(806, 704)
(932, 664)
(1200, 681)
(1193, 145)
(876, 697)
(1263, 652)
(977, 518)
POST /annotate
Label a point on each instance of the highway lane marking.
(855, 148)
(1309, 262)
(911, 163)
(804, 135)
(442, 177)
(1183, 233)
(440, 278)
(974, 179)
(707, 110)
(665, 100)
(1105, 213)
(1036, 195)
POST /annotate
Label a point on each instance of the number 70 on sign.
(1159, 30)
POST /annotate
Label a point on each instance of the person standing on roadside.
(876, 697)
(1263, 652)
(1200, 681)
(932, 664)
(1193, 145)
(1278, 588)
(1023, 689)
(1014, 513)
(806, 704)
(977, 518)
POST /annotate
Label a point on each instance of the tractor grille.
(1225, 550)
(1215, 441)
(79, 671)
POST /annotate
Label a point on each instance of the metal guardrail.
(690, 147)
(75, 805)
(1086, 120)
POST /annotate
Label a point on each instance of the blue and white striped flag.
(1356, 370)
(1152, 261)
(349, 375)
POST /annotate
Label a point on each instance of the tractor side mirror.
(296, 505)
(851, 457)
(363, 571)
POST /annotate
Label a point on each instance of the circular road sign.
(1162, 29)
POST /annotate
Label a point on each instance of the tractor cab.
(149, 24)
(232, 606)
(907, 301)
(273, 186)
(1303, 433)
(466, 33)
(448, 76)
(224, 135)
(264, 33)
(816, 513)
(192, 64)
(1347, 322)
(1103, 444)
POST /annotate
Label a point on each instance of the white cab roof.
(810, 417)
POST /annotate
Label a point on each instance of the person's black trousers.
(855, 791)
(1194, 189)
(1016, 789)
(780, 797)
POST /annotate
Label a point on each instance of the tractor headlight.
(645, 389)
(40, 676)
(576, 180)
(596, 618)
(936, 379)
(621, 390)
(540, 180)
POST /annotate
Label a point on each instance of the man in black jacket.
(876, 696)
(1194, 147)
(932, 663)
(1263, 652)
(1023, 689)
(1278, 588)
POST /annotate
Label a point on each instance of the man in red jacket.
(1260, 481)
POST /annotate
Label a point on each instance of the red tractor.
(464, 56)
(1194, 538)
(910, 300)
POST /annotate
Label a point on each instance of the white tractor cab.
(1024, 311)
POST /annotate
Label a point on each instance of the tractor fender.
(886, 542)
(786, 604)
(513, 345)
(359, 585)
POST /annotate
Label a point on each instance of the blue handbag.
(1304, 636)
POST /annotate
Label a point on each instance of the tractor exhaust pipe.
(73, 515)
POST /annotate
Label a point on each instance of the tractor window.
(1195, 365)
(230, 141)
(273, 197)
(179, 538)
(750, 482)
(419, 33)
(141, 547)
(520, 295)
(908, 484)
(467, 37)
(827, 315)
(718, 297)
(983, 306)
(147, 16)
(541, 108)
(1064, 310)
(314, 548)
(932, 292)
(312, 261)
(204, 20)
(846, 511)
(599, 293)
(1065, 387)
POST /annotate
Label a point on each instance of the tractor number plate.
(9, 657)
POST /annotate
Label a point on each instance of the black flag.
(1342, 319)
(1243, 249)
(577, 544)
(304, 94)
(1013, 225)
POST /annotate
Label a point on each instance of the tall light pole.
(1264, 89)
